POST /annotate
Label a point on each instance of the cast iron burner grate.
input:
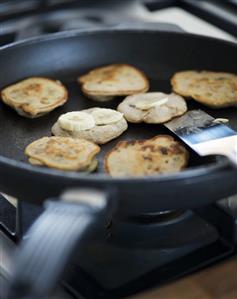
(23, 19)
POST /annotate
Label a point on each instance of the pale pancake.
(161, 154)
(63, 153)
(104, 83)
(213, 89)
(34, 97)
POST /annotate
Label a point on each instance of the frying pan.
(68, 218)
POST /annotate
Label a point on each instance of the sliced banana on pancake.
(35, 96)
(76, 121)
(152, 107)
(103, 116)
(108, 124)
(63, 153)
(146, 103)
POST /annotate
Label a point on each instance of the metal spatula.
(205, 135)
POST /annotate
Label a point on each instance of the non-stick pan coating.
(65, 57)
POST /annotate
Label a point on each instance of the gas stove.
(154, 249)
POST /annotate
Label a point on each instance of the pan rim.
(102, 177)
(76, 32)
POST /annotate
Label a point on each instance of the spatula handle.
(226, 146)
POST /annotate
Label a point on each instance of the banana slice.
(76, 121)
(103, 116)
(146, 102)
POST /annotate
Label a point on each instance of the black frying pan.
(65, 56)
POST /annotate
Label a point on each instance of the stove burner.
(173, 230)
(106, 269)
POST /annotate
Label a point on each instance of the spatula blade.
(196, 127)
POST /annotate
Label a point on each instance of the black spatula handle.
(43, 257)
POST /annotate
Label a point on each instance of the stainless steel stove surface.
(136, 254)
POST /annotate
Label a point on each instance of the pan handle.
(53, 238)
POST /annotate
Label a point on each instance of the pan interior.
(86, 52)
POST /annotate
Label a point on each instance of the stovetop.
(160, 249)
(26, 18)
(133, 256)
